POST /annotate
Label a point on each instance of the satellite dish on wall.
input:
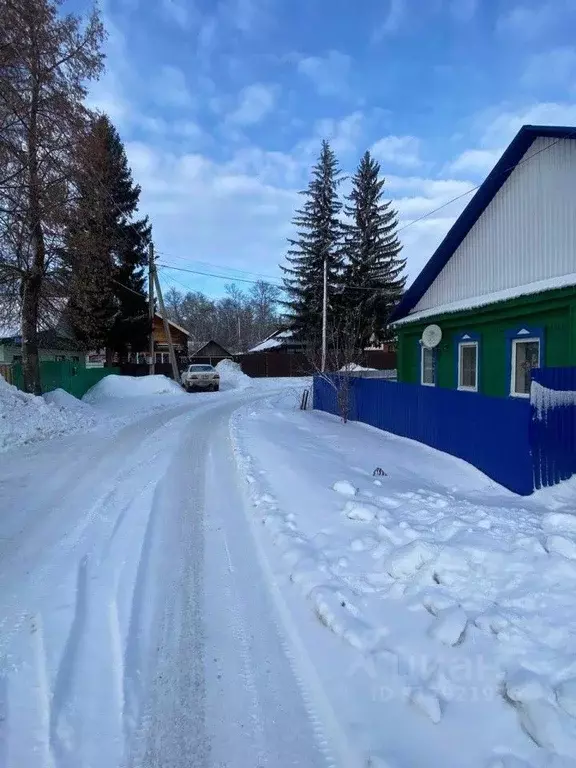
(431, 336)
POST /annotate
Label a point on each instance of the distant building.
(209, 352)
(281, 341)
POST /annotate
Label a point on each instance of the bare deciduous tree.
(343, 355)
(238, 320)
(45, 62)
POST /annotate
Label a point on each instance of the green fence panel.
(86, 378)
(71, 377)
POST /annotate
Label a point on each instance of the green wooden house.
(501, 287)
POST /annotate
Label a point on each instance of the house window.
(468, 366)
(60, 358)
(427, 367)
(525, 356)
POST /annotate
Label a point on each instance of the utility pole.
(173, 363)
(324, 314)
(151, 352)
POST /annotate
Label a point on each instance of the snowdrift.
(457, 597)
(63, 399)
(231, 376)
(115, 386)
(28, 419)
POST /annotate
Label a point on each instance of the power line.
(247, 280)
(209, 265)
(212, 274)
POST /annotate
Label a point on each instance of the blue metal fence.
(489, 432)
(553, 425)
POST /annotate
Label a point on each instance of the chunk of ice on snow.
(559, 521)
(523, 685)
(561, 545)
(345, 488)
(362, 512)
(566, 696)
(427, 702)
(450, 626)
(409, 559)
(548, 727)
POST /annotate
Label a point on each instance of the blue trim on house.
(515, 333)
(458, 339)
(475, 208)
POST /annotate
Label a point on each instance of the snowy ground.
(135, 626)
(439, 610)
(219, 579)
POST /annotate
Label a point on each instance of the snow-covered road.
(136, 627)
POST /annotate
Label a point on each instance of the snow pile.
(28, 419)
(453, 600)
(115, 386)
(351, 367)
(63, 399)
(231, 376)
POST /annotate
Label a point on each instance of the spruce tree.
(319, 238)
(108, 248)
(373, 275)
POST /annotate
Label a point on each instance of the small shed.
(208, 352)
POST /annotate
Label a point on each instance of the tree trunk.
(30, 361)
(32, 280)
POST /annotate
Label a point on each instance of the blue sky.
(222, 105)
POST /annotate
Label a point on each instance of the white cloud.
(245, 15)
(255, 102)
(398, 150)
(179, 11)
(500, 126)
(170, 88)
(328, 73)
(556, 67)
(343, 134)
(475, 161)
(393, 19)
(214, 208)
(528, 22)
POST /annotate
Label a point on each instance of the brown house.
(179, 338)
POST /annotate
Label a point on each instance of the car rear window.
(200, 368)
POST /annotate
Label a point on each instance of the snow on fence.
(553, 425)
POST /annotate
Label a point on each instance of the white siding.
(526, 234)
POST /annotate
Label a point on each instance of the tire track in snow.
(330, 734)
(64, 725)
(45, 558)
(288, 731)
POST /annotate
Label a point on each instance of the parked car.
(201, 377)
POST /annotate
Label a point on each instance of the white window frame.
(462, 344)
(515, 342)
(432, 351)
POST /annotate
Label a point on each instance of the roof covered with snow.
(491, 298)
(496, 179)
(276, 340)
